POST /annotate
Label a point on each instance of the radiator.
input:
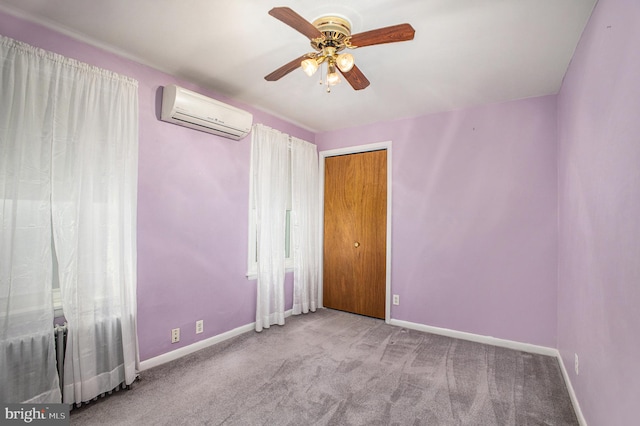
(20, 357)
(60, 332)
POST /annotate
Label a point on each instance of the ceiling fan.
(330, 35)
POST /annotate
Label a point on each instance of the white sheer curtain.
(306, 222)
(94, 168)
(269, 152)
(284, 168)
(27, 358)
(86, 148)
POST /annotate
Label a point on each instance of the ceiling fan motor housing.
(335, 31)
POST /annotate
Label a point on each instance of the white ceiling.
(465, 52)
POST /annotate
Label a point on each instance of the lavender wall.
(192, 207)
(474, 217)
(599, 215)
(475, 206)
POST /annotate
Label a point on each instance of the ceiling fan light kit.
(345, 62)
(309, 66)
(332, 76)
(329, 35)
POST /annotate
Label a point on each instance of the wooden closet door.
(355, 228)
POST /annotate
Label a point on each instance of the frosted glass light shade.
(309, 66)
(333, 78)
(345, 62)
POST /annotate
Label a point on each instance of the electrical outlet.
(175, 335)
(199, 326)
(396, 299)
(576, 364)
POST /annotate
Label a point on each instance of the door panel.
(355, 225)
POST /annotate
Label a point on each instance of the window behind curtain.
(253, 243)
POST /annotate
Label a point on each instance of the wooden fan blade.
(395, 33)
(356, 78)
(285, 69)
(295, 21)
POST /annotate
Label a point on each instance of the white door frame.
(356, 150)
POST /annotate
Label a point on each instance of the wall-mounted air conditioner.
(190, 109)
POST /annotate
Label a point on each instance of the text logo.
(36, 414)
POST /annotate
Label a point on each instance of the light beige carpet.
(335, 368)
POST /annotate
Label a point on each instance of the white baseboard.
(572, 393)
(510, 344)
(186, 350)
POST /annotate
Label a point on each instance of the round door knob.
(356, 244)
